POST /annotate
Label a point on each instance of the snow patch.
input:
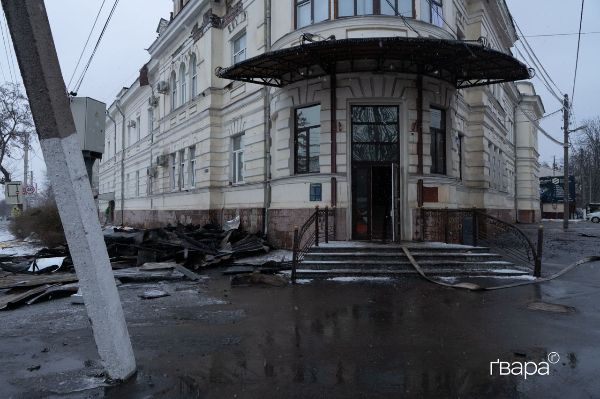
(359, 279)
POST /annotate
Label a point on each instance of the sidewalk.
(327, 339)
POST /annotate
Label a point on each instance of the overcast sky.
(132, 30)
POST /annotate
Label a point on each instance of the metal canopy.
(463, 64)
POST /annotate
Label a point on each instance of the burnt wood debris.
(136, 255)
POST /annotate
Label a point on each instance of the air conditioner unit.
(131, 124)
(152, 171)
(162, 160)
(153, 101)
(162, 87)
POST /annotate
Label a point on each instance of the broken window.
(437, 128)
(237, 163)
(308, 139)
(239, 48)
(311, 11)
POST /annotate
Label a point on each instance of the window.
(183, 83)
(375, 133)
(316, 191)
(149, 178)
(129, 134)
(181, 179)
(432, 12)
(437, 128)
(137, 183)
(307, 140)
(237, 164)
(397, 7)
(192, 167)
(311, 11)
(173, 91)
(460, 156)
(347, 8)
(173, 171)
(239, 48)
(194, 76)
(138, 129)
(150, 120)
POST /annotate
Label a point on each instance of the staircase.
(352, 258)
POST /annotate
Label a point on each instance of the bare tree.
(16, 126)
(585, 162)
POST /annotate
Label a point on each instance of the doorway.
(375, 156)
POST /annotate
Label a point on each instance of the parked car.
(594, 217)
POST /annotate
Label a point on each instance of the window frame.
(376, 9)
(193, 76)
(181, 172)
(173, 91)
(312, 12)
(234, 53)
(438, 167)
(192, 166)
(237, 174)
(173, 159)
(307, 130)
(182, 84)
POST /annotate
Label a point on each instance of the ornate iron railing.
(478, 228)
(319, 226)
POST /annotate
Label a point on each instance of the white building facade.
(184, 145)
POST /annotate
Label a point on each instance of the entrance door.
(372, 202)
(375, 152)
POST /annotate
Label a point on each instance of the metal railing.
(320, 225)
(477, 228)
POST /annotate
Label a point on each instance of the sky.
(133, 28)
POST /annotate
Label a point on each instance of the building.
(233, 115)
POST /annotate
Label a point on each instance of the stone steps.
(376, 259)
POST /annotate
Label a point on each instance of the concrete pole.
(25, 171)
(566, 207)
(34, 47)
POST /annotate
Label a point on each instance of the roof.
(461, 63)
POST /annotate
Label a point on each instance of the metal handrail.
(486, 229)
(316, 226)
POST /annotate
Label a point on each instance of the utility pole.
(566, 207)
(25, 170)
(43, 80)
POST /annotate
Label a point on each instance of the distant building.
(377, 108)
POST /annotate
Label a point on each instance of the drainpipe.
(122, 163)
(516, 179)
(267, 126)
(333, 117)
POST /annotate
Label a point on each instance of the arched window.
(173, 91)
(183, 83)
(194, 76)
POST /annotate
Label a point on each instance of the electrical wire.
(398, 13)
(529, 49)
(80, 80)
(537, 125)
(564, 34)
(6, 50)
(540, 76)
(550, 114)
(577, 58)
(443, 19)
(86, 43)
(13, 57)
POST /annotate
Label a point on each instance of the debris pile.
(136, 256)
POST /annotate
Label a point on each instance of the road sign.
(29, 189)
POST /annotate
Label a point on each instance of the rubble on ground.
(141, 256)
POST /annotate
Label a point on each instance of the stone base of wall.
(529, 216)
(251, 220)
(283, 221)
(280, 230)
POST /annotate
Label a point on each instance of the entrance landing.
(366, 258)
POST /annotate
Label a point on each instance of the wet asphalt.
(399, 338)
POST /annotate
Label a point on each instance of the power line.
(397, 12)
(13, 57)
(564, 34)
(577, 58)
(443, 19)
(540, 76)
(535, 59)
(80, 80)
(537, 125)
(86, 42)
(550, 114)
(8, 54)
